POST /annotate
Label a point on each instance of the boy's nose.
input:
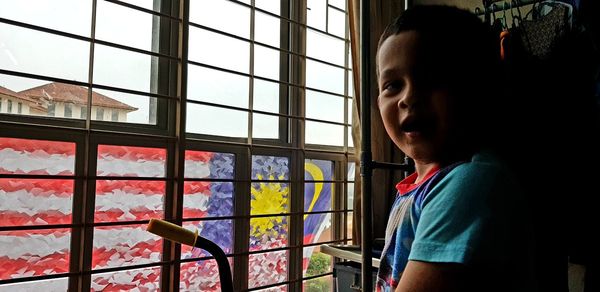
(409, 99)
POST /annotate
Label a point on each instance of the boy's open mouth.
(415, 126)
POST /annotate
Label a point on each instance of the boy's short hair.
(463, 56)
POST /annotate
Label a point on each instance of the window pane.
(202, 119)
(125, 245)
(211, 13)
(62, 17)
(57, 284)
(217, 86)
(270, 167)
(217, 231)
(147, 279)
(324, 77)
(267, 29)
(128, 108)
(350, 80)
(350, 198)
(266, 96)
(315, 14)
(201, 276)
(128, 200)
(318, 262)
(39, 157)
(349, 224)
(269, 198)
(317, 228)
(267, 268)
(350, 139)
(265, 126)
(26, 253)
(268, 232)
(59, 56)
(35, 201)
(268, 5)
(321, 284)
(349, 107)
(207, 199)
(341, 4)
(324, 106)
(218, 50)
(109, 25)
(123, 69)
(129, 161)
(351, 171)
(336, 24)
(324, 134)
(204, 164)
(266, 62)
(325, 48)
(317, 195)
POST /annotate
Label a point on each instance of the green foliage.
(318, 285)
(319, 264)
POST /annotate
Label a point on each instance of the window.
(266, 172)
(0, 105)
(9, 106)
(99, 114)
(68, 110)
(114, 116)
(19, 107)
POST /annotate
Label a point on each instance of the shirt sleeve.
(455, 214)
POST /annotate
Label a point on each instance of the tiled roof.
(74, 94)
(32, 102)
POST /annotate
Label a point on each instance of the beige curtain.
(382, 12)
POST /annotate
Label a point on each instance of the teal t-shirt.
(470, 213)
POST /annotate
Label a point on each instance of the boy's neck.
(423, 168)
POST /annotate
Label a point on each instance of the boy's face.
(416, 109)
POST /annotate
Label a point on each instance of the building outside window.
(261, 99)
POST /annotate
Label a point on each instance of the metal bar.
(365, 155)
(498, 8)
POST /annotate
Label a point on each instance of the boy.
(457, 223)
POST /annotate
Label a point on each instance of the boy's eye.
(393, 86)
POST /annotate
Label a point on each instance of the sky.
(40, 53)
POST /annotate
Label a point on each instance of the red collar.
(408, 183)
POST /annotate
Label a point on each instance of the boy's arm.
(431, 277)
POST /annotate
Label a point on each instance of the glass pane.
(341, 4)
(211, 13)
(349, 108)
(317, 196)
(317, 228)
(129, 200)
(137, 33)
(267, 29)
(351, 171)
(201, 276)
(266, 96)
(281, 288)
(266, 126)
(324, 47)
(350, 80)
(266, 62)
(125, 245)
(268, 232)
(54, 99)
(349, 224)
(35, 201)
(350, 139)
(321, 284)
(62, 17)
(316, 14)
(58, 284)
(270, 167)
(267, 268)
(324, 77)
(324, 134)
(123, 69)
(336, 23)
(218, 50)
(207, 199)
(269, 198)
(39, 157)
(202, 119)
(26, 253)
(218, 231)
(130, 161)
(268, 5)
(315, 262)
(324, 106)
(59, 56)
(217, 87)
(204, 164)
(350, 198)
(147, 279)
(129, 108)
(11, 88)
